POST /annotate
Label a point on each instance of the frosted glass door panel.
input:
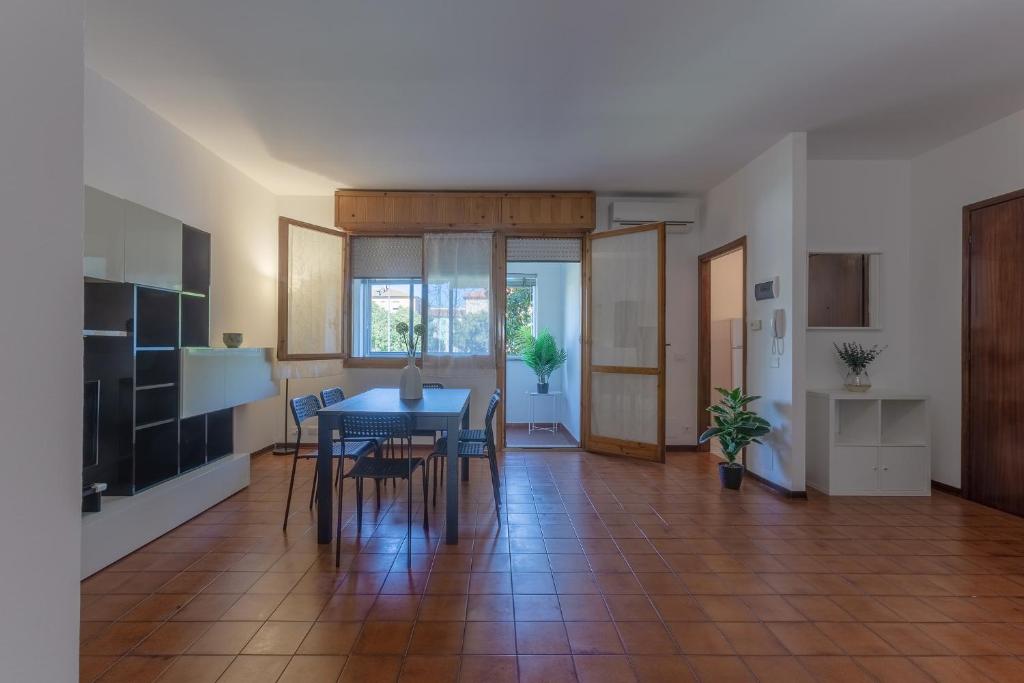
(624, 290)
(315, 292)
(624, 407)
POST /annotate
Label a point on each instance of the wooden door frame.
(589, 441)
(500, 270)
(704, 331)
(965, 339)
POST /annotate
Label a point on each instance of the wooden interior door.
(624, 343)
(993, 354)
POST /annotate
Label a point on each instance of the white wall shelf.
(869, 444)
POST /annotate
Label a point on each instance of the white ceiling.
(608, 95)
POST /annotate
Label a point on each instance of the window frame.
(366, 306)
(470, 360)
(284, 224)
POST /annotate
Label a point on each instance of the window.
(387, 287)
(379, 304)
(458, 294)
(520, 313)
(310, 292)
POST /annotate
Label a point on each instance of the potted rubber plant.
(735, 427)
(542, 355)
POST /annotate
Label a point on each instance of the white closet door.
(152, 248)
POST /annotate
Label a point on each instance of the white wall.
(571, 333)
(766, 201)
(982, 164)
(40, 339)
(864, 206)
(133, 153)
(681, 252)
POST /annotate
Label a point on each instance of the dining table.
(438, 409)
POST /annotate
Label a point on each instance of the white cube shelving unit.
(870, 444)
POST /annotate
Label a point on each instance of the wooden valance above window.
(387, 212)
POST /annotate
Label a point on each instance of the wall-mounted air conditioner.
(679, 215)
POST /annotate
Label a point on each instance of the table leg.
(324, 492)
(465, 463)
(452, 488)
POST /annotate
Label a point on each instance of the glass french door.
(625, 343)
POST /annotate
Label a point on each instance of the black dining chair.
(304, 408)
(476, 449)
(376, 467)
(432, 433)
(473, 435)
(332, 395)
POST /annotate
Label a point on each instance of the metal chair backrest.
(492, 408)
(377, 426)
(433, 385)
(332, 395)
(303, 408)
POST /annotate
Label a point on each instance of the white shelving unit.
(870, 444)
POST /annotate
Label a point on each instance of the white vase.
(410, 386)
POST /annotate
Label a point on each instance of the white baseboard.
(126, 523)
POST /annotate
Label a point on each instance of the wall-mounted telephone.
(779, 331)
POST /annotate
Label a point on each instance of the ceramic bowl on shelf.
(232, 340)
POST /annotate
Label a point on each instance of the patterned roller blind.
(387, 257)
(533, 249)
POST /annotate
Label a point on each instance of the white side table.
(556, 404)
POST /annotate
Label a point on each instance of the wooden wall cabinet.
(104, 236)
(548, 210)
(398, 212)
(152, 248)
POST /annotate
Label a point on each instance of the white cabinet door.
(104, 236)
(152, 248)
(904, 468)
(853, 470)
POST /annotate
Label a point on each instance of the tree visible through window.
(520, 315)
(382, 304)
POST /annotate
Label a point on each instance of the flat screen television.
(91, 424)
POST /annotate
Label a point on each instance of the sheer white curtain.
(457, 269)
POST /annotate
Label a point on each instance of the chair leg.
(408, 479)
(337, 542)
(312, 494)
(426, 475)
(359, 504)
(496, 487)
(435, 459)
(291, 485)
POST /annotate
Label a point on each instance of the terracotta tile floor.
(605, 570)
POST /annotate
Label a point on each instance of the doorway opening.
(722, 326)
(543, 306)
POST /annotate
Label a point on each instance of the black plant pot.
(731, 475)
(542, 387)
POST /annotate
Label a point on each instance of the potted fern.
(735, 427)
(542, 355)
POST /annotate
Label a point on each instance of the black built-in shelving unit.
(132, 348)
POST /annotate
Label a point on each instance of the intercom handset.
(779, 331)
